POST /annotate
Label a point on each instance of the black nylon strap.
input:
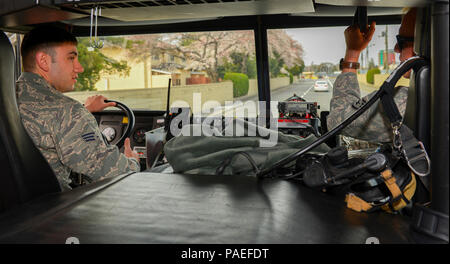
(389, 105)
(412, 150)
(387, 96)
(430, 222)
(414, 153)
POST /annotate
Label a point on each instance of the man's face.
(407, 30)
(65, 67)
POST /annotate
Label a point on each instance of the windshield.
(320, 51)
(207, 70)
(212, 70)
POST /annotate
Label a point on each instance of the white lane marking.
(307, 91)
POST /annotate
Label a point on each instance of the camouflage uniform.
(373, 125)
(66, 133)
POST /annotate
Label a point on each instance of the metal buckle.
(424, 154)
(397, 137)
(398, 144)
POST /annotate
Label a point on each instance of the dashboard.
(113, 123)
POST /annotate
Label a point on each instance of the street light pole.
(367, 57)
(362, 60)
(386, 62)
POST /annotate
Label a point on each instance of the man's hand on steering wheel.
(97, 103)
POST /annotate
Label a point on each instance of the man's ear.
(43, 61)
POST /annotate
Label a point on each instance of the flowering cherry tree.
(289, 49)
(206, 51)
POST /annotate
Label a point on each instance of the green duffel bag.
(232, 153)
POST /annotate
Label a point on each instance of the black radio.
(298, 117)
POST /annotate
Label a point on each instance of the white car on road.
(321, 86)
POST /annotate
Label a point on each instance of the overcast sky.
(328, 44)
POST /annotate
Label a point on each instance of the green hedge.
(240, 83)
(370, 75)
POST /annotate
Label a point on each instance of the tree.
(297, 68)
(370, 76)
(251, 67)
(205, 51)
(212, 51)
(140, 48)
(288, 49)
(275, 64)
(326, 67)
(95, 63)
(240, 63)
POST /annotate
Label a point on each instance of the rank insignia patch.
(88, 137)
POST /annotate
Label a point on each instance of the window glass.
(207, 69)
(13, 37)
(310, 56)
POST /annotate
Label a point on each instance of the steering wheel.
(131, 121)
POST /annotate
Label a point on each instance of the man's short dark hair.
(43, 38)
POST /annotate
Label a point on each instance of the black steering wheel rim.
(131, 121)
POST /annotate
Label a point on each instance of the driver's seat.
(24, 172)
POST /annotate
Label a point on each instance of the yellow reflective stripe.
(356, 203)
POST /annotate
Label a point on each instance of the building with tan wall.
(151, 73)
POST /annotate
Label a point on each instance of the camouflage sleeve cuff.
(135, 166)
(346, 84)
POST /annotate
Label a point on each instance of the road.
(305, 89)
(302, 88)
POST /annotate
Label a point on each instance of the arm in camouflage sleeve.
(373, 125)
(80, 147)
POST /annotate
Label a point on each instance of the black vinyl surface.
(173, 208)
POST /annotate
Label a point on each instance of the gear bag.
(222, 154)
(382, 180)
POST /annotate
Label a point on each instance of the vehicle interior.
(157, 206)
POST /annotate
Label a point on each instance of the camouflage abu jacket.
(373, 125)
(66, 133)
